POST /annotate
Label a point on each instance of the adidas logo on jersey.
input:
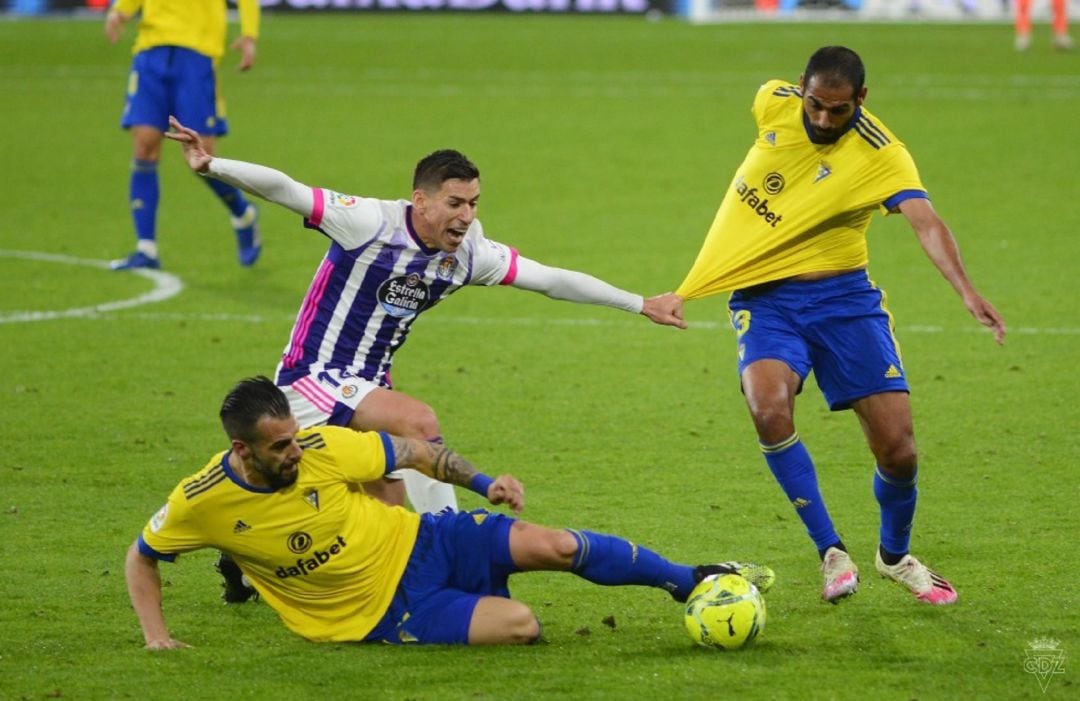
(240, 527)
(892, 373)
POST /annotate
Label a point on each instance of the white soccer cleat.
(841, 575)
(927, 585)
(1022, 42)
(1063, 42)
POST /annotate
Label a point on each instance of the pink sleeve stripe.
(307, 314)
(511, 273)
(318, 207)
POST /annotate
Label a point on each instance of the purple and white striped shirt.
(375, 280)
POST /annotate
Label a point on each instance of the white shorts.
(328, 397)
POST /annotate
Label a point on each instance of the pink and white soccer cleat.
(927, 585)
(841, 575)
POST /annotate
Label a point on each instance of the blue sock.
(794, 470)
(143, 194)
(610, 560)
(897, 499)
(230, 195)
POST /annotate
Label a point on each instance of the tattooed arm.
(437, 461)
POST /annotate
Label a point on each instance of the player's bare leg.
(401, 415)
(500, 621)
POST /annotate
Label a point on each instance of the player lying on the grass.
(339, 565)
(388, 262)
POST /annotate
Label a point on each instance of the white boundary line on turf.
(520, 321)
(166, 285)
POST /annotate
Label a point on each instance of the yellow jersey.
(798, 207)
(322, 553)
(194, 24)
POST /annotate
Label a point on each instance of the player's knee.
(561, 548)
(772, 421)
(424, 424)
(898, 459)
(522, 626)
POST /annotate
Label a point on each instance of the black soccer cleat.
(236, 588)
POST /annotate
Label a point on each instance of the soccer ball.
(724, 611)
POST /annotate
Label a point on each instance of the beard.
(276, 479)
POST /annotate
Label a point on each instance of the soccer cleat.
(1063, 42)
(248, 244)
(236, 587)
(927, 585)
(138, 259)
(841, 575)
(761, 576)
(1022, 42)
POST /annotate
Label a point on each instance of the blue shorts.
(173, 80)
(459, 557)
(838, 327)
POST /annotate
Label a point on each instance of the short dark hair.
(436, 168)
(250, 400)
(836, 66)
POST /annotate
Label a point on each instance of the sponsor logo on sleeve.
(339, 200)
(158, 519)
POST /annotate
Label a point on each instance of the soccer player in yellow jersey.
(339, 565)
(790, 241)
(174, 71)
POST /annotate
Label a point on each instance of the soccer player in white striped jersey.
(389, 261)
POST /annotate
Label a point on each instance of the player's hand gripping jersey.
(797, 207)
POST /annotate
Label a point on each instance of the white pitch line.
(517, 321)
(166, 285)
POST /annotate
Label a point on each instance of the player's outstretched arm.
(267, 183)
(144, 588)
(574, 286)
(940, 246)
(437, 461)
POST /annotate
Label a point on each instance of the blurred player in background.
(338, 565)
(790, 240)
(177, 49)
(389, 261)
(1059, 27)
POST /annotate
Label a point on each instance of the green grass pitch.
(605, 145)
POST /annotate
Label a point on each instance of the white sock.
(147, 246)
(428, 495)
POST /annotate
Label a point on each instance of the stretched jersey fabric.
(322, 553)
(798, 207)
(193, 24)
(375, 280)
